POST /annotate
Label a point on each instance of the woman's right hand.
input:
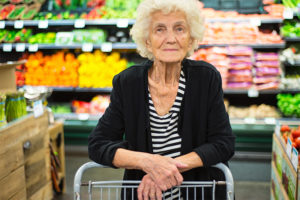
(164, 171)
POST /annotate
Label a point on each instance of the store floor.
(76, 156)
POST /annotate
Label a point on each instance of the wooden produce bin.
(56, 134)
(284, 170)
(24, 172)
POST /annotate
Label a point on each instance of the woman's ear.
(148, 45)
(191, 43)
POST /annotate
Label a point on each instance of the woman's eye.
(180, 29)
(159, 30)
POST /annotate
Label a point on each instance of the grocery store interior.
(57, 62)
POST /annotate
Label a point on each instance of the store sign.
(289, 147)
(38, 109)
(83, 116)
(33, 48)
(19, 24)
(295, 158)
(122, 23)
(20, 47)
(7, 47)
(87, 47)
(270, 120)
(250, 120)
(43, 24)
(79, 23)
(253, 93)
(106, 47)
(288, 13)
(2, 24)
(255, 22)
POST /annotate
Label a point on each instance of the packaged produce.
(15, 106)
(289, 104)
(3, 34)
(253, 111)
(43, 38)
(17, 12)
(30, 12)
(2, 110)
(6, 10)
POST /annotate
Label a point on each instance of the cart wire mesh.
(110, 190)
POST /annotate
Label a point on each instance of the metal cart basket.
(108, 190)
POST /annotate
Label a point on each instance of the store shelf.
(105, 47)
(233, 91)
(292, 39)
(291, 65)
(79, 23)
(256, 21)
(255, 46)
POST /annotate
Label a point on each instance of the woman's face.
(169, 37)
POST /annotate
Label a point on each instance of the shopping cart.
(108, 190)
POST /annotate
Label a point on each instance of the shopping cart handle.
(88, 165)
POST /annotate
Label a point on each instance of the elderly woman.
(166, 121)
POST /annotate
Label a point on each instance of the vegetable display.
(289, 104)
(15, 106)
(2, 110)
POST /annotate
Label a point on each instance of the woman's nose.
(171, 38)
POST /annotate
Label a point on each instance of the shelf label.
(87, 47)
(19, 24)
(250, 120)
(83, 116)
(255, 22)
(289, 147)
(295, 158)
(122, 23)
(20, 47)
(2, 24)
(270, 120)
(106, 47)
(7, 47)
(33, 47)
(79, 23)
(43, 24)
(288, 13)
(38, 108)
(253, 93)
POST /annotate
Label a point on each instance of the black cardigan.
(203, 122)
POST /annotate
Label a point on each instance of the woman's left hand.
(148, 190)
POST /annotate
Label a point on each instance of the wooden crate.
(24, 155)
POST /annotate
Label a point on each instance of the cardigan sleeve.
(219, 146)
(107, 137)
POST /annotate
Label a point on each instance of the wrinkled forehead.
(175, 18)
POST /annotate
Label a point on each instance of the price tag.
(295, 158)
(270, 120)
(106, 47)
(83, 116)
(79, 23)
(19, 24)
(43, 24)
(253, 93)
(87, 47)
(20, 47)
(38, 109)
(255, 22)
(2, 24)
(250, 120)
(7, 47)
(122, 23)
(33, 48)
(289, 147)
(288, 13)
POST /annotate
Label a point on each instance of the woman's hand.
(164, 171)
(148, 189)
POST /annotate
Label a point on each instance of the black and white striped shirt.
(164, 130)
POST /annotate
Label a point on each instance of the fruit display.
(238, 33)
(98, 69)
(2, 110)
(253, 111)
(97, 105)
(20, 75)
(289, 104)
(15, 106)
(73, 4)
(95, 36)
(61, 108)
(43, 38)
(267, 70)
(59, 16)
(293, 133)
(10, 36)
(6, 10)
(59, 69)
(19, 10)
(290, 29)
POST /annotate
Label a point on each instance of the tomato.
(285, 128)
(295, 133)
(294, 144)
(297, 141)
(291, 138)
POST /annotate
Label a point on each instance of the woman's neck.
(167, 74)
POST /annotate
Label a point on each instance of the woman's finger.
(152, 192)
(158, 193)
(140, 191)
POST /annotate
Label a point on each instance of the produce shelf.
(233, 91)
(124, 22)
(255, 46)
(292, 39)
(291, 65)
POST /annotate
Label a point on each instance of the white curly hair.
(191, 9)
